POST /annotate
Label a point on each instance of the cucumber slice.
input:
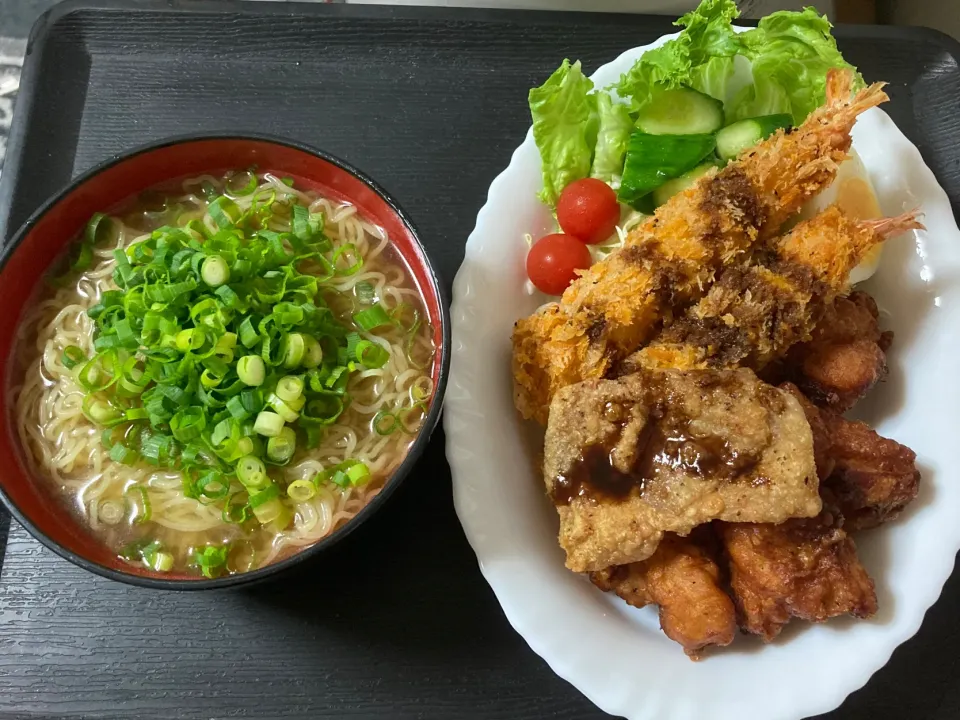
(678, 185)
(739, 136)
(653, 159)
(681, 112)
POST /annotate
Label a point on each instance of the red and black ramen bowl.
(28, 254)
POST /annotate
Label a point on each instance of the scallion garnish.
(72, 356)
(301, 490)
(372, 318)
(217, 353)
(280, 448)
(212, 560)
(251, 370)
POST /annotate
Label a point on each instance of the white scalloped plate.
(614, 654)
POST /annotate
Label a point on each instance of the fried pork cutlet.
(684, 580)
(869, 478)
(845, 357)
(671, 259)
(664, 451)
(755, 314)
(803, 568)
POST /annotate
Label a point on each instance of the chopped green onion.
(224, 212)
(215, 271)
(372, 318)
(235, 513)
(99, 373)
(370, 354)
(340, 479)
(258, 499)
(358, 474)
(312, 352)
(73, 356)
(289, 388)
(213, 485)
(294, 350)
(251, 370)
(322, 410)
(197, 349)
(301, 491)
(100, 411)
(84, 258)
(421, 389)
(211, 560)
(344, 254)
(281, 448)
(143, 512)
(281, 408)
(161, 562)
(268, 424)
(273, 514)
(122, 454)
(188, 423)
(252, 472)
(411, 418)
(385, 423)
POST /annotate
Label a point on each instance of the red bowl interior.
(48, 234)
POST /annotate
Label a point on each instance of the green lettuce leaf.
(612, 138)
(790, 53)
(565, 124)
(701, 56)
(713, 78)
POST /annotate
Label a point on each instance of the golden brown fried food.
(822, 442)
(874, 478)
(803, 568)
(869, 478)
(683, 579)
(845, 357)
(671, 259)
(627, 460)
(755, 314)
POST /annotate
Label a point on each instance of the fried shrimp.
(754, 314)
(672, 259)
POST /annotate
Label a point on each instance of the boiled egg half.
(853, 193)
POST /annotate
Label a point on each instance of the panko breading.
(670, 260)
(683, 578)
(755, 314)
(663, 451)
(803, 568)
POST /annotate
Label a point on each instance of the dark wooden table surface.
(397, 622)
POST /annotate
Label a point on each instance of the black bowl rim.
(413, 455)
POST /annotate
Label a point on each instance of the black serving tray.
(397, 622)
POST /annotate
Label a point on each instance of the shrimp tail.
(891, 226)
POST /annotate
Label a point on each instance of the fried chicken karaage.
(845, 357)
(684, 580)
(803, 568)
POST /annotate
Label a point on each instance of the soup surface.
(225, 370)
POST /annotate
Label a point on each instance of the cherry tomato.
(552, 260)
(588, 210)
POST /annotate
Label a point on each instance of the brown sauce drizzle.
(662, 444)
